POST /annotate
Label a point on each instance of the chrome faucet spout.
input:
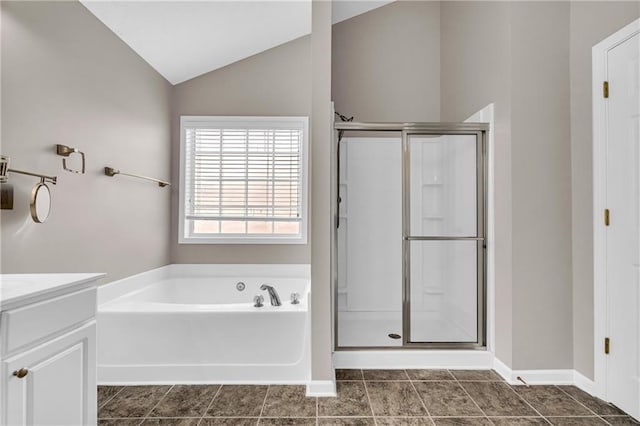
(273, 294)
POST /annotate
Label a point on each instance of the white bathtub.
(189, 324)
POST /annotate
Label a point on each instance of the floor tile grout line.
(588, 409)
(470, 397)
(407, 375)
(451, 375)
(424, 405)
(366, 391)
(351, 417)
(158, 403)
(318, 404)
(206, 410)
(264, 402)
(500, 417)
(155, 417)
(582, 416)
(112, 396)
(527, 402)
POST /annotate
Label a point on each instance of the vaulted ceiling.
(184, 39)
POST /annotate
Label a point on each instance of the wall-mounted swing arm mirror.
(40, 205)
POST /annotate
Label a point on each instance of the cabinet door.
(60, 386)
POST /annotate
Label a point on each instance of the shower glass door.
(443, 239)
(409, 269)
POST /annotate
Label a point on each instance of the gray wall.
(68, 79)
(321, 200)
(516, 55)
(541, 186)
(476, 71)
(275, 82)
(386, 63)
(591, 22)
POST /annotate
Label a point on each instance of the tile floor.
(365, 397)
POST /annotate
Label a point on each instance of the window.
(243, 180)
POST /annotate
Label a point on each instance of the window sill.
(245, 241)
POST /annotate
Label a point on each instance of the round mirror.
(40, 202)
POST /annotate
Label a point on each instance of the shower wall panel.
(370, 241)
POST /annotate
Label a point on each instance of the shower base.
(372, 329)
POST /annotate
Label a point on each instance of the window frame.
(247, 122)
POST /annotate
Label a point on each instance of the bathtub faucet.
(273, 294)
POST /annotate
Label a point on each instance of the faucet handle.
(295, 298)
(257, 301)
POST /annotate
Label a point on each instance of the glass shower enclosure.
(409, 260)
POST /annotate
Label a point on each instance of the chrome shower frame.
(479, 130)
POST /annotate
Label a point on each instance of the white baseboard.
(321, 388)
(503, 370)
(584, 383)
(544, 377)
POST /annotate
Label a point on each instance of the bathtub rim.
(137, 307)
(113, 290)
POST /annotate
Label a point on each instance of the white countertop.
(18, 289)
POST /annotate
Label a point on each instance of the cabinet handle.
(21, 373)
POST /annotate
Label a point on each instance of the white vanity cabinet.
(48, 353)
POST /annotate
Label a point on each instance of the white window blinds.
(243, 178)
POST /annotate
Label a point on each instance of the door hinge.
(605, 89)
(606, 217)
(606, 345)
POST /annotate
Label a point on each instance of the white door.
(59, 387)
(623, 233)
